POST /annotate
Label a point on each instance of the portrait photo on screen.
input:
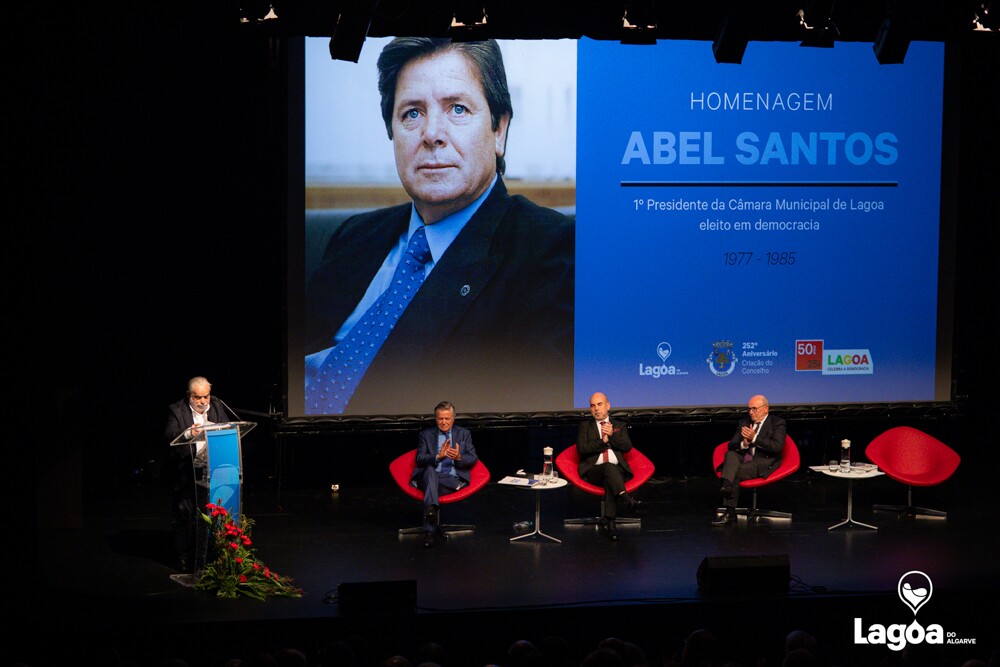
(439, 248)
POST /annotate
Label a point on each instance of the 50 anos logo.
(915, 589)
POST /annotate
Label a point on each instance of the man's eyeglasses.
(754, 408)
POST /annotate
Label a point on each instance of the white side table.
(867, 471)
(537, 490)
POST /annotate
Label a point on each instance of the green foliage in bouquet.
(236, 569)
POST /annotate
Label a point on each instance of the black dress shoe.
(611, 529)
(432, 515)
(727, 517)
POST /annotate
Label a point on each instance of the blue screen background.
(862, 281)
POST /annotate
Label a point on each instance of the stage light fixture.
(985, 19)
(731, 41)
(351, 29)
(639, 22)
(469, 23)
(893, 38)
(818, 28)
(256, 11)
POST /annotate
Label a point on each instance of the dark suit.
(767, 448)
(187, 498)
(493, 322)
(589, 446)
(425, 476)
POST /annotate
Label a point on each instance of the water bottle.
(547, 464)
(523, 525)
(845, 456)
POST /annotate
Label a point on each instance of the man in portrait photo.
(464, 291)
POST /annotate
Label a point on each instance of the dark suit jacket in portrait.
(590, 444)
(497, 305)
(427, 451)
(769, 442)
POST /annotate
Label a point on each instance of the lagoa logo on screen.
(663, 351)
(723, 360)
(811, 356)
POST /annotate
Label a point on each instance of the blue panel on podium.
(225, 473)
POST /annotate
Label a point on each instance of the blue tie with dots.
(346, 364)
(447, 465)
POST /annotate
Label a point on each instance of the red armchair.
(914, 458)
(402, 468)
(790, 462)
(568, 463)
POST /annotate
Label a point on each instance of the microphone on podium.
(229, 409)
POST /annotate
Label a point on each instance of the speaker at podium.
(221, 474)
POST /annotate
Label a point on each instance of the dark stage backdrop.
(152, 237)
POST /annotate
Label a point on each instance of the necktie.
(446, 463)
(748, 455)
(604, 454)
(346, 364)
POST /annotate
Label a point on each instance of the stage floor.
(113, 573)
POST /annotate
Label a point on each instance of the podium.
(218, 478)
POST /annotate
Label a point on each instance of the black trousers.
(612, 478)
(434, 486)
(735, 469)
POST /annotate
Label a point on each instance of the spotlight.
(639, 22)
(351, 29)
(255, 11)
(893, 37)
(818, 28)
(731, 42)
(985, 18)
(469, 22)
